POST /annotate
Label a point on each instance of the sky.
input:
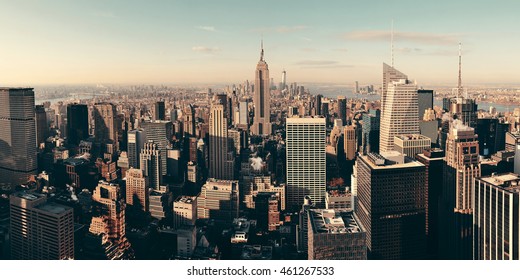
(204, 41)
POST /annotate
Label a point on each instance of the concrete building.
(339, 200)
(17, 136)
(137, 188)
(411, 144)
(40, 230)
(335, 235)
(305, 161)
(110, 221)
(184, 211)
(262, 98)
(497, 217)
(218, 200)
(160, 132)
(400, 113)
(105, 129)
(161, 203)
(150, 162)
(350, 142)
(392, 205)
(390, 74)
(425, 100)
(221, 156)
(267, 209)
(370, 131)
(136, 139)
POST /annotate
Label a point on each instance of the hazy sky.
(219, 41)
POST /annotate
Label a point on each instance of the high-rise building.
(370, 131)
(160, 132)
(40, 230)
(218, 200)
(305, 161)
(433, 160)
(392, 205)
(159, 111)
(342, 109)
(425, 100)
(350, 142)
(267, 208)
(77, 123)
(284, 80)
(189, 120)
(150, 162)
(42, 129)
(335, 235)
(462, 166)
(243, 120)
(411, 144)
(137, 189)
(160, 203)
(497, 217)
(390, 74)
(262, 98)
(465, 110)
(400, 113)
(136, 140)
(221, 159)
(17, 136)
(317, 104)
(184, 211)
(105, 129)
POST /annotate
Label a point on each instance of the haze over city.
(131, 42)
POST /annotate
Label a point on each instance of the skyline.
(178, 42)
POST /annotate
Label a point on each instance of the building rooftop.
(390, 160)
(256, 252)
(333, 222)
(53, 208)
(412, 137)
(185, 199)
(509, 182)
(28, 196)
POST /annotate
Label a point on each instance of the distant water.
(70, 96)
(335, 91)
(485, 106)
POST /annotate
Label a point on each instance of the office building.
(105, 129)
(221, 156)
(184, 211)
(433, 160)
(262, 99)
(370, 131)
(40, 230)
(400, 113)
(392, 205)
(161, 203)
(150, 162)
(335, 235)
(305, 161)
(77, 123)
(218, 200)
(159, 111)
(464, 109)
(390, 75)
(17, 136)
(342, 109)
(109, 219)
(42, 129)
(350, 142)
(497, 217)
(189, 120)
(258, 184)
(425, 101)
(339, 200)
(243, 120)
(137, 189)
(160, 132)
(136, 140)
(462, 166)
(411, 144)
(267, 210)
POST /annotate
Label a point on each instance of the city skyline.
(191, 42)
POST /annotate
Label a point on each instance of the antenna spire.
(392, 43)
(459, 87)
(262, 47)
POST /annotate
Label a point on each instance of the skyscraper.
(218, 200)
(284, 79)
(150, 162)
(136, 140)
(40, 230)
(342, 109)
(137, 188)
(221, 160)
(42, 129)
(17, 135)
(425, 100)
(105, 129)
(305, 161)
(400, 113)
(159, 111)
(262, 98)
(160, 132)
(350, 142)
(77, 123)
(390, 74)
(370, 131)
(462, 166)
(392, 205)
(189, 120)
(497, 217)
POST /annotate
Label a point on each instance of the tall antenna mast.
(459, 88)
(392, 43)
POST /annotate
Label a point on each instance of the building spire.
(262, 47)
(459, 87)
(392, 43)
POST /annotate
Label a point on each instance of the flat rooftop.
(333, 222)
(53, 208)
(185, 199)
(509, 182)
(412, 137)
(28, 196)
(390, 160)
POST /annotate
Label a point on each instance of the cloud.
(290, 29)
(203, 49)
(207, 28)
(415, 37)
(322, 64)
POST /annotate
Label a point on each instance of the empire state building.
(262, 99)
